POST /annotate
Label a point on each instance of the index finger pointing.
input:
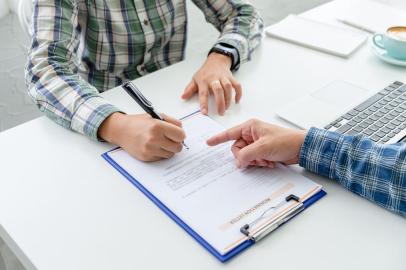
(234, 133)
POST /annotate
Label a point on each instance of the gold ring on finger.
(215, 83)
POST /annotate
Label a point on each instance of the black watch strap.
(229, 51)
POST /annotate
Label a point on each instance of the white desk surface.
(63, 207)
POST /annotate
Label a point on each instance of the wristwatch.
(230, 51)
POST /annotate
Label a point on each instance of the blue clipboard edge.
(190, 231)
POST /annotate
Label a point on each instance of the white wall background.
(8, 5)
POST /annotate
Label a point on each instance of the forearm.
(374, 171)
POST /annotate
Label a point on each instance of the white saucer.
(384, 56)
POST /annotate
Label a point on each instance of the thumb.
(250, 153)
(171, 120)
(190, 90)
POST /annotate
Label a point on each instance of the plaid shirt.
(374, 171)
(83, 47)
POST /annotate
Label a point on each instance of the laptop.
(348, 109)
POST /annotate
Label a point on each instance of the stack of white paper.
(317, 35)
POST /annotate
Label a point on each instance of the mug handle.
(378, 42)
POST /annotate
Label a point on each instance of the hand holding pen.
(142, 136)
(145, 104)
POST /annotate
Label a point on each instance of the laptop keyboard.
(380, 117)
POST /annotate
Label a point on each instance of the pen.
(145, 104)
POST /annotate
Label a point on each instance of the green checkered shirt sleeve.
(53, 84)
(239, 23)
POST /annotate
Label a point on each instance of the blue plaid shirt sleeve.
(374, 171)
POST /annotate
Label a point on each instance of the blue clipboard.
(190, 231)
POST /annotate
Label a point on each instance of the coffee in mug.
(397, 32)
(393, 41)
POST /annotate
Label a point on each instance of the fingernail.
(238, 163)
(204, 111)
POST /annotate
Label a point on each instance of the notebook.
(223, 208)
(371, 16)
(319, 36)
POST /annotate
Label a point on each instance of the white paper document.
(319, 36)
(203, 187)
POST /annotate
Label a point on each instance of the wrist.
(229, 51)
(220, 58)
(110, 127)
(294, 141)
(301, 143)
(299, 139)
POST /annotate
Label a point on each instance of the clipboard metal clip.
(264, 231)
